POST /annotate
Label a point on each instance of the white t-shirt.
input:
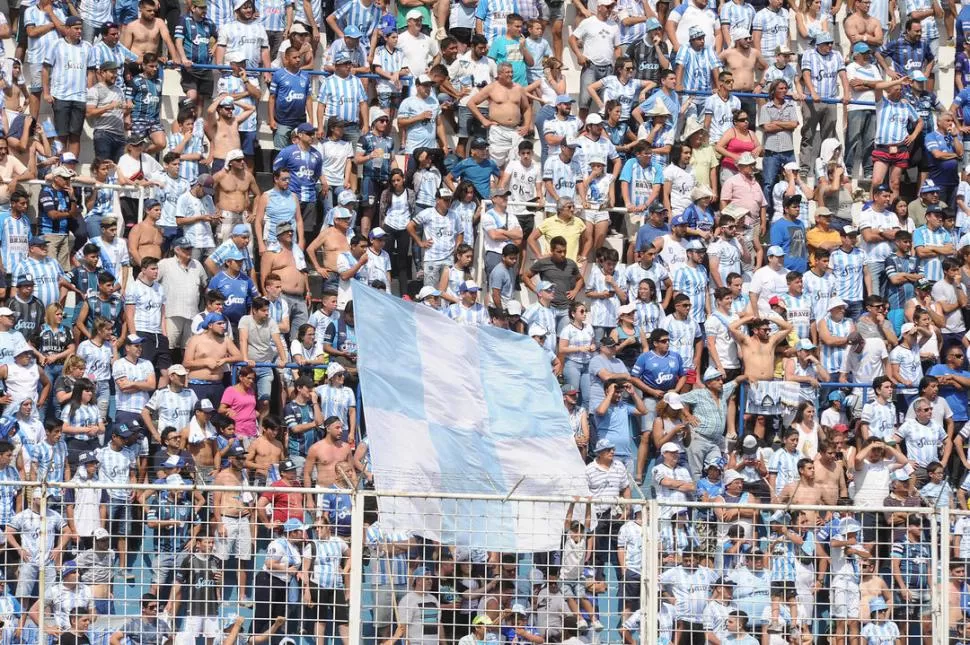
(884, 221)
(599, 39)
(767, 282)
(682, 182)
(522, 183)
(866, 73)
(493, 220)
(867, 365)
(418, 51)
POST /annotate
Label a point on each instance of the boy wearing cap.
(240, 239)
(64, 80)
(468, 311)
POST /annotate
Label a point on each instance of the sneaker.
(597, 625)
(582, 624)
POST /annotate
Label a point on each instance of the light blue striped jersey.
(220, 12)
(931, 267)
(336, 402)
(272, 13)
(97, 364)
(138, 372)
(603, 312)
(8, 494)
(647, 316)
(365, 18)
(148, 300)
(880, 633)
(391, 566)
(493, 15)
(683, 335)
(698, 65)
(37, 48)
(930, 30)
(46, 274)
(327, 556)
(892, 121)
(230, 84)
(881, 419)
(563, 176)
(579, 337)
(343, 97)
(799, 313)
(734, 14)
(625, 93)
(848, 270)
(474, 316)
(14, 234)
(545, 317)
(824, 71)
(69, 70)
(773, 26)
(694, 283)
(188, 170)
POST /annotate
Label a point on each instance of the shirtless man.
(758, 356)
(145, 238)
(873, 586)
(326, 456)
(291, 272)
(829, 474)
(205, 356)
(222, 129)
(232, 516)
(235, 189)
(743, 60)
(203, 450)
(149, 33)
(265, 452)
(334, 241)
(509, 114)
(805, 490)
(860, 27)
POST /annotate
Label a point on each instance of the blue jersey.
(479, 174)
(305, 169)
(337, 507)
(907, 57)
(239, 293)
(52, 199)
(196, 36)
(290, 93)
(146, 96)
(659, 372)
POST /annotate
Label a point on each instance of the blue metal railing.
(757, 95)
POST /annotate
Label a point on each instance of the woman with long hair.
(626, 336)
(618, 130)
(397, 207)
(82, 420)
(810, 21)
(425, 179)
(620, 86)
(56, 343)
(809, 430)
(453, 276)
(576, 347)
(679, 180)
(900, 207)
(466, 205)
(551, 86)
(239, 404)
(668, 426)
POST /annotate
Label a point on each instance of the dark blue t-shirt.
(291, 92)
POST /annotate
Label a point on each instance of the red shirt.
(285, 505)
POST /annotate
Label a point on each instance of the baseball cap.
(293, 524)
(206, 182)
(907, 327)
(236, 57)
(775, 250)
(545, 285)
(346, 197)
(414, 14)
(63, 171)
(234, 254)
(712, 374)
(427, 292)
(306, 128)
(594, 119)
(109, 64)
(805, 343)
(353, 31)
(101, 534)
(72, 21)
(88, 458)
(823, 38)
(469, 286)
(670, 446)
(569, 389)
(134, 339)
(673, 401)
(375, 234)
(234, 155)
(179, 369)
(652, 23)
(297, 27)
(68, 157)
(284, 228)
(204, 405)
(695, 32)
(861, 48)
(241, 229)
(513, 308)
(731, 476)
(237, 450)
(563, 99)
(24, 280)
(424, 79)
(929, 186)
(849, 231)
(479, 142)
(678, 220)
(287, 465)
(603, 444)
(537, 330)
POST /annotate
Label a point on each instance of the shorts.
(200, 81)
(163, 566)
(238, 540)
(432, 272)
(595, 216)
(247, 142)
(119, 517)
(327, 605)
(845, 598)
(155, 350)
(387, 100)
(552, 12)
(461, 34)
(468, 125)
(264, 383)
(575, 589)
(502, 140)
(897, 159)
(229, 220)
(69, 118)
(631, 590)
(207, 626)
(178, 330)
(145, 128)
(32, 76)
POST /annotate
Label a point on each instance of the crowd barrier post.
(357, 546)
(941, 575)
(650, 590)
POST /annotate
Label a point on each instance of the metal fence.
(357, 566)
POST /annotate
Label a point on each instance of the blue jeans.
(860, 138)
(771, 166)
(854, 309)
(576, 375)
(53, 371)
(545, 113)
(264, 383)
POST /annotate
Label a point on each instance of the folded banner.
(463, 410)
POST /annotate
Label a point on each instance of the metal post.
(141, 204)
(42, 569)
(649, 620)
(941, 576)
(356, 591)
(646, 571)
(934, 571)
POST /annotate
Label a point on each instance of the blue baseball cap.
(37, 240)
(545, 285)
(861, 48)
(653, 23)
(775, 250)
(241, 229)
(212, 318)
(353, 31)
(341, 58)
(306, 128)
(152, 203)
(824, 38)
(234, 254)
(836, 396)
(69, 567)
(679, 220)
(563, 99)
(293, 524)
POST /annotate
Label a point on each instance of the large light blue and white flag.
(455, 410)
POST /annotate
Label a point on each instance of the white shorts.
(595, 216)
(194, 626)
(845, 598)
(32, 76)
(238, 540)
(229, 220)
(503, 143)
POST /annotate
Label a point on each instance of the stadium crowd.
(736, 314)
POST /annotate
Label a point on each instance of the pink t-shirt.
(243, 407)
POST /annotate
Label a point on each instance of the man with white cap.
(594, 142)
(420, 50)
(239, 238)
(691, 278)
(672, 483)
(442, 233)
(768, 281)
(418, 121)
(468, 311)
(244, 34)
(429, 296)
(708, 418)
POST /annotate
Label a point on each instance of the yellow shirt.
(702, 160)
(573, 231)
(816, 237)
